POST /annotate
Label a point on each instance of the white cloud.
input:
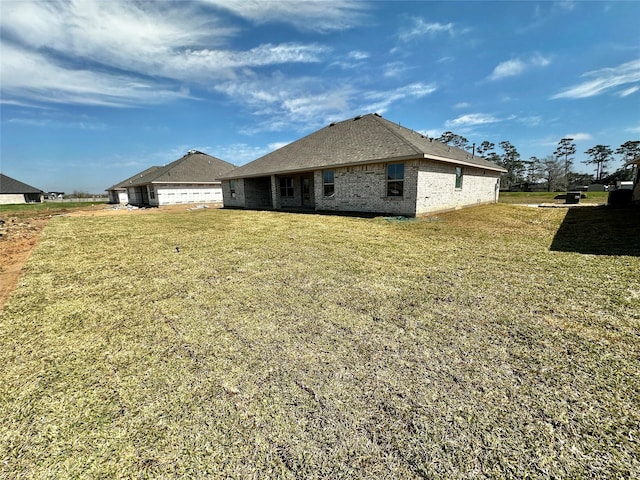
(420, 28)
(34, 76)
(394, 69)
(356, 55)
(471, 119)
(516, 66)
(462, 105)
(305, 102)
(604, 80)
(509, 68)
(119, 53)
(382, 100)
(320, 16)
(579, 137)
(628, 91)
(277, 145)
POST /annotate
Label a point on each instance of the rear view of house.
(190, 179)
(364, 164)
(14, 191)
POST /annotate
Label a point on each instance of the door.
(306, 184)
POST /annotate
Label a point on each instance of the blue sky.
(94, 91)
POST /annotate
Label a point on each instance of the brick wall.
(436, 187)
(363, 188)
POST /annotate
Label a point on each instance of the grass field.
(278, 345)
(45, 207)
(549, 197)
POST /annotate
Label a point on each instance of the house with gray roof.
(13, 191)
(190, 179)
(365, 164)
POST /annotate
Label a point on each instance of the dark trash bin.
(573, 197)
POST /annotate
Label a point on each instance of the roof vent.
(378, 115)
(358, 117)
(332, 124)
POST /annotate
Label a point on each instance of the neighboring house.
(190, 179)
(118, 192)
(13, 191)
(364, 164)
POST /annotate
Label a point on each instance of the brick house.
(190, 179)
(13, 191)
(365, 164)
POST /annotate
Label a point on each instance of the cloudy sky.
(94, 91)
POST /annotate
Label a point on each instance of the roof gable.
(363, 139)
(194, 167)
(11, 185)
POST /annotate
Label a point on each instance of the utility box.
(573, 197)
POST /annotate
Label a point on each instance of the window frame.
(393, 178)
(286, 187)
(459, 178)
(232, 188)
(328, 185)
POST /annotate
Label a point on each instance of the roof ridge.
(387, 124)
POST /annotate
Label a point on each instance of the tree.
(565, 149)
(485, 147)
(532, 169)
(600, 156)
(629, 150)
(620, 175)
(552, 171)
(510, 160)
(450, 138)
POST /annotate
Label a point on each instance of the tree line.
(555, 170)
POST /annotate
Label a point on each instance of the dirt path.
(19, 237)
(19, 234)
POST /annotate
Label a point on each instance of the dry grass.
(549, 197)
(301, 346)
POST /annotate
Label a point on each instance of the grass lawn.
(549, 197)
(46, 207)
(278, 345)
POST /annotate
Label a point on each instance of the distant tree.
(600, 156)
(581, 179)
(485, 147)
(621, 175)
(532, 169)
(510, 160)
(629, 150)
(450, 138)
(565, 149)
(552, 170)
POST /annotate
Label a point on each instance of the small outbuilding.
(365, 164)
(13, 191)
(190, 179)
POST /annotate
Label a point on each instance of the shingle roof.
(11, 185)
(194, 167)
(363, 139)
(125, 183)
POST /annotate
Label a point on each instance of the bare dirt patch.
(18, 238)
